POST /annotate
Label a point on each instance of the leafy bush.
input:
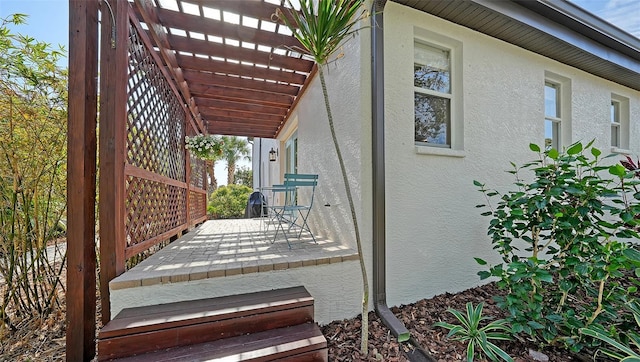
(470, 331)
(560, 237)
(623, 344)
(229, 202)
(33, 149)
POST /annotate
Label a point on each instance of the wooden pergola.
(167, 69)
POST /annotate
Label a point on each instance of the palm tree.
(233, 150)
(214, 181)
(321, 33)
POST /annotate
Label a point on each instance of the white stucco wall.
(348, 82)
(265, 173)
(433, 227)
(335, 288)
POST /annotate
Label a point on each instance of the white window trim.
(564, 103)
(456, 136)
(555, 120)
(623, 124)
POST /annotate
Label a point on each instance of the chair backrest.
(298, 180)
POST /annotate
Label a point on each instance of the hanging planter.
(205, 147)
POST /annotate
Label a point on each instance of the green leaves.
(562, 225)
(323, 31)
(574, 149)
(533, 147)
(469, 331)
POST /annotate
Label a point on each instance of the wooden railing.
(151, 189)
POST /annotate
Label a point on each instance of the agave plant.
(322, 31)
(470, 331)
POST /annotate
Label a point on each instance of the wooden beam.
(187, 22)
(207, 91)
(224, 129)
(241, 106)
(202, 64)
(148, 12)
(81, 180)
(197, 46)
(113, 118)
(212, 123)
(194, 76)
(254, 8)
(212, 112)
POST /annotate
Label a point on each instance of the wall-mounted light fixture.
(273, 155)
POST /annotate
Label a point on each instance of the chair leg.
(281, 220)
(305, 226)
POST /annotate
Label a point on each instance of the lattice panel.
(198, 168)
(152, 209)
(155, 119)
(197, 205)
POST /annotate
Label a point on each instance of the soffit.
(556, 29)
(233, 63)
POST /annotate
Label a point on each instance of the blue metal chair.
(301, 182)
(292, 213)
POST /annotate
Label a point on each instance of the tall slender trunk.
(365, 281)
(231, 172)
(214, 181)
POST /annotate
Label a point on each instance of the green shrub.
(561, 237)
(229, 202)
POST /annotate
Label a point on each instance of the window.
(552, 115)
(615, 124)
(619, 118)
(432, 95)
(291, 154)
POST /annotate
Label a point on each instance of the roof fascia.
(563, 32)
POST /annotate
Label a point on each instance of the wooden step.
(158, 327)
(300, 343)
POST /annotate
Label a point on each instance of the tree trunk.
(214, 181)
(365, 281)
(231, 171)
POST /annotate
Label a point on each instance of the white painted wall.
(265, 173)
(348, 82)
(334, 287)
(433, 228)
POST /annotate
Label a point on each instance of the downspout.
(396, 327)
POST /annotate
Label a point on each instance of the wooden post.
(187, 175)
(113, 118)
(81, 180)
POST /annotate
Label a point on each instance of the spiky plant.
(322, 30)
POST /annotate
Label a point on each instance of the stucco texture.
(433, 227)
(334, 287)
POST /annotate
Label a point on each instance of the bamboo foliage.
(33, 114)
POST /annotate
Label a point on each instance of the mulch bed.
(44, 339)
(344, 336)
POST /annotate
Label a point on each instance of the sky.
(48, 21)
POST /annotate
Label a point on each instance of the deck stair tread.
(268, 319)
(141, 319)
(303, 342)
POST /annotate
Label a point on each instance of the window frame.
(562, 120)
(623, 124)
(455, 131)
(615, 123)
(556, 121)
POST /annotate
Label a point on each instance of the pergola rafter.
(231, 59)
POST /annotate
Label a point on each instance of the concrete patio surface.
(221, 248)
